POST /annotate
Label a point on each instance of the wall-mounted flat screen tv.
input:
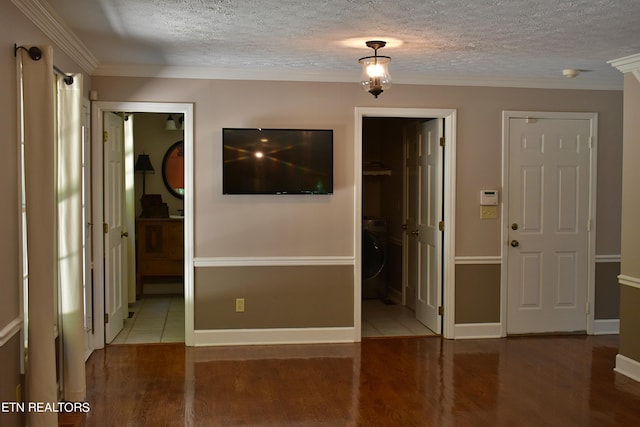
(277, 161)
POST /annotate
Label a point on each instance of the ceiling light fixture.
(375, 71)
(570, 72)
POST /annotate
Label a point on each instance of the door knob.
(124, 234)
(515, 243)
(415, 232)
(514, 226)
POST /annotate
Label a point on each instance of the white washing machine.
(374, 257)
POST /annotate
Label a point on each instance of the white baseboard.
(477, 330)
(220, 337)
(606, 326)
(627, 367)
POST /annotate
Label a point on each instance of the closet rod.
(35, 53)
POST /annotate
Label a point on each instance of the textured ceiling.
(440, 39)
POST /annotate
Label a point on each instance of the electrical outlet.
(239, 305)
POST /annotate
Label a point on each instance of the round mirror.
(173, 169)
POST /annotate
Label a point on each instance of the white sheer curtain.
(38, 134)
(52, 142)
(69, 198)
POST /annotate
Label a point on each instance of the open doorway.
(393, 258)
(405, 256)
(154, 189)
(147, 281)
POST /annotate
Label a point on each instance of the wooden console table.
(160, 249)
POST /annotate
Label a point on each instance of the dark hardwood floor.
(417, 381)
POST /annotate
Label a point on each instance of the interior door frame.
(591, 247)
(87, 227)
(98, 108)
(448, 249)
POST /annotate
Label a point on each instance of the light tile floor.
(156, 319)
(160, 318)
(390, 320)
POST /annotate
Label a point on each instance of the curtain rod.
(35, 53)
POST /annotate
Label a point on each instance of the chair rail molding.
(7, 332)
(634, 282)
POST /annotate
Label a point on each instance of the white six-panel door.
(549, 222)
(429, 235)
(115, 250)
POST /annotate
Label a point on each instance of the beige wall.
(150, 137)
(248, 226)
(607, 300)
(629, 322)
(275, 297)
(631, 177)
(630, 267)
(477, 293)
(298, 104)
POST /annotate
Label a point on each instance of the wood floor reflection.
(417, 381)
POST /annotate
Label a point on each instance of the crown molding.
(582, 83)
(194, 72)
(628, 64)
(50, 23)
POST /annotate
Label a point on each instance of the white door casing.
(86, 229)
(98, 108)
(449, 189)
(549, 222)
(428, 296)
(114, 219)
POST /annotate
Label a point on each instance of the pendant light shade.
(375, 70)
(171, 124)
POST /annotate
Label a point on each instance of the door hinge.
(589, 225)
(587, 307)
(442, 141)
(105, 136)
(105, 228)
(106, 318)
(441, 225)
(440, 310)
